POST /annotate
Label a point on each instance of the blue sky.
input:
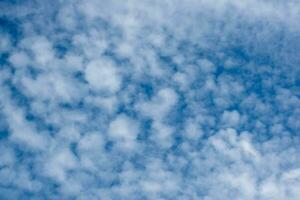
(150, 99)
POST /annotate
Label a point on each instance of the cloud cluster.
(150, 99)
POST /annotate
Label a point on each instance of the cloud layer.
(150, 99)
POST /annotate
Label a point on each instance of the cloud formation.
(150, 99)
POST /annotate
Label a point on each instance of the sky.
(150, 100)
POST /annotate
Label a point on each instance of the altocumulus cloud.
(150, 99)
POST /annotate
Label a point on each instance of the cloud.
(103, 76)
(149, 100)
(159, 106)
(123, 130)
(230, 118)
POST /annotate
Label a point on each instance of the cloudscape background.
(192, 99)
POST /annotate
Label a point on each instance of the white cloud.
(23, 132)
(41, 48)
(206, 66)
(19, 59)
(160, 105)
(124, 130)
(230, 118)
(103, 76)
(59, 164)
(5, 43)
